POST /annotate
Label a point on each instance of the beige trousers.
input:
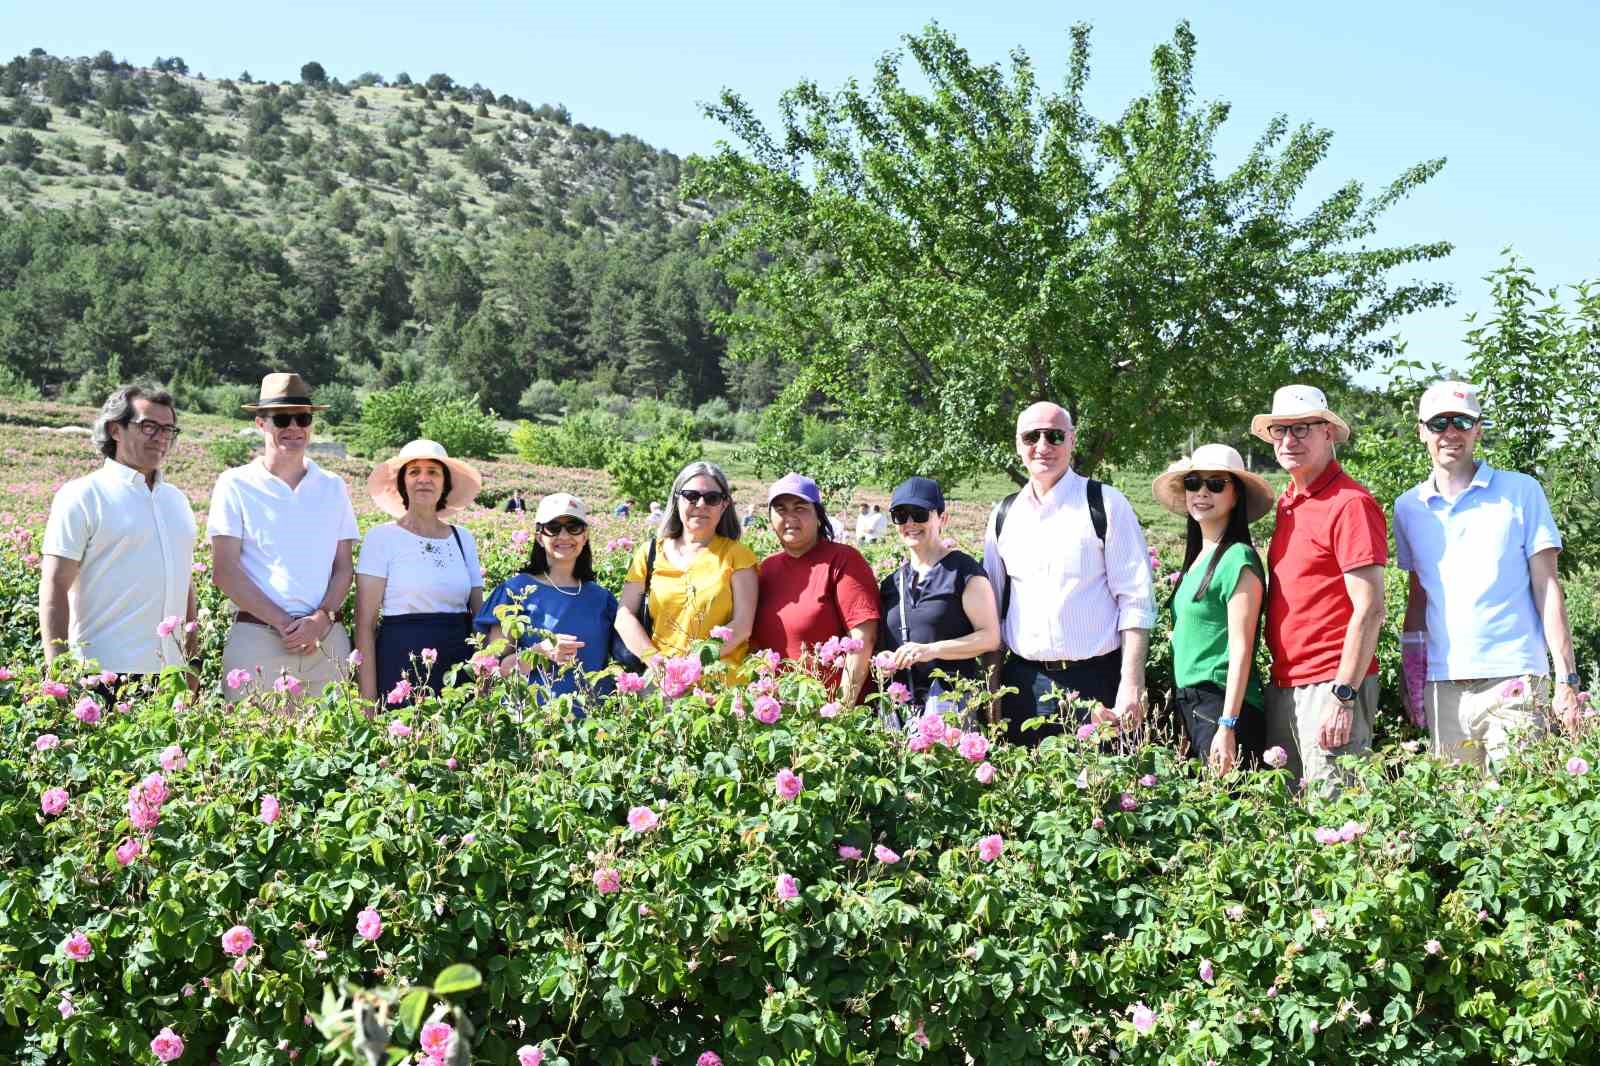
(1475, 721)
(1294, 716)
(259, 651)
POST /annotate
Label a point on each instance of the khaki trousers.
(1475, 721)
(1294, 717)
(259, 650)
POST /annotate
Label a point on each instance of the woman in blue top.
(569, 614)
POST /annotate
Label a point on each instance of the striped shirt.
(1070, 597)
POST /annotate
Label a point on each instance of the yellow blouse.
(687, 603)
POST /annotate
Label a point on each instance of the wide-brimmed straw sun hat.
(1299, 403)
(284, 392)
(1214, 458)
(465, 481)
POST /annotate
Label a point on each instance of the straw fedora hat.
(465, 482)
(284, 392)
(1299, 403)
(1214, 458)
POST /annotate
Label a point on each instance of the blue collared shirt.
(1471, 556)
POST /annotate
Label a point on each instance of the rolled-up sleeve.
(1128, 565)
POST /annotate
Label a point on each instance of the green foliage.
(542, 397)
(233, 449)
(645, 470)
(341, 401)
(392, 417)
(584, 439)
(933, 261)
(464, 429)
(13, 386)
(312, 73)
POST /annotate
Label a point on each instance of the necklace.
(574, 594)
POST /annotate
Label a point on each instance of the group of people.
(1056, 617)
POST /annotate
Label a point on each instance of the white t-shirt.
(288, 536)
(134, 546)
(425, 576)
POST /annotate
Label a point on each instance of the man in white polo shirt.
(119, 547)
(1485, 612)
(282, 543)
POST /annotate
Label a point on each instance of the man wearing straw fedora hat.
(1325, 594)
(282, 539)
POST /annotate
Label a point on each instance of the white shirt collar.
(126, 474)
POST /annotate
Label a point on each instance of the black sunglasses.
(299, 418)
(1192, 483)
(695, 497)
(576, 527)
(1440, 423)
(1054, 436)
(901, 515)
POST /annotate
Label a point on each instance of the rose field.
(724, 866)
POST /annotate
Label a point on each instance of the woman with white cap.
(419, 571)
(569, 614)
(1216, 608)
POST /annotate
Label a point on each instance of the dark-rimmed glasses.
(1192, 483)
(299, 418)
(1297, 430)
(907, 513)
(696, 497)
(1031, 437)
(575, 526)
(1440, 423)
(153, 429)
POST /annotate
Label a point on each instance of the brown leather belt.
(249, 619)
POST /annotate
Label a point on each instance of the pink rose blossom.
(918, 741)
(429, 656)
(355, 658)
(828, 651)
(167, 1045)
(270, 808)
(238, 940)
(399, 694)
(77, 947)
(768, 710)
(53, 801)
(484, 664)
(1144, 1019)
(829, 710)
(1148, 781)
(1086, 730)
(789, 784)
(985, 773)
(1433, 947)
(142, 814)
(850, 645)
(54, 689)
(519, 537)
(1512, 689)
(154, 790)
(708, 1058)
(642, 819)
(990, 847)
(173, 759)
(884, 855)
(5, 674)
(369, 924)
(1097, 822)
(46, 742)
(848, 851)
(1351, 830)
(679, 675)
(630, 684)
(288, 684)
(787, 887)
(238, 679)
(107, 677)
(1577, 766)
(451, 763)
(1235, 913)
(435, 1039)
(87, 711)
(1276, 758)
(974, 747)
(528, 1055)
(899, 693)
(128, 850)
(607, 880)
(165, 627)
(1326, 835)
(721, 633)
(1130, 802)
(1208, 973)
(66, 1006)
(399, 730)
(884, 661)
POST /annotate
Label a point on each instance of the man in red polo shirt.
(1325, 593)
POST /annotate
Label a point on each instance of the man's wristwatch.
(1572, 679)
(1344, 693)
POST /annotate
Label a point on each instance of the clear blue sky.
(1498, 88)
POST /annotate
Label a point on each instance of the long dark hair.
(1236, 532)
(539, 562)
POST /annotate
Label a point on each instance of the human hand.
(911, 654)
(1568, 707)
(1128, 712)
(1224, 754)
(563, 648)
(301, 636)
(1337, 721)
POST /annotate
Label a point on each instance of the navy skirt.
(402, 638)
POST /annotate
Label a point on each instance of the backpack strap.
(1097, 509)
(999, 524)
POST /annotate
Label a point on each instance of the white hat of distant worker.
(1449, 398)
(1299, 403)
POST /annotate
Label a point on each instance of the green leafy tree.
(645, 470)
(312, 73)
(933, 261)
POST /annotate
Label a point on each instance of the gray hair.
(118, 411)
(727, 526)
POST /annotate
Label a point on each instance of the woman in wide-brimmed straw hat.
(419, 570)
(1216, 608)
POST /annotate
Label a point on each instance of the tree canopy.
(933, 261)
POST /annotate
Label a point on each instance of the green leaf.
(458, 978)
(411, 1009)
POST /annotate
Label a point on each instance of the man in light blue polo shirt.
(1480, 545)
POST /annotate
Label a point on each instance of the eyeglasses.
(695, 497)
(1192, 483)
(576, 527)
(1440, 423)
(901, 515)
(1298, 430)
(153, 429)
(299, 418)
(1054, 436)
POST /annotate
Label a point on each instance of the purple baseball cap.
(794, 485)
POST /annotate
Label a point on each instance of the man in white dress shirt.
(1071, 571)
(282, 546)
(117, 582)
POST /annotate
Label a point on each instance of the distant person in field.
(813, 589)
(1069, 565)
(1485, 612)
(283, 536)
(118, 555)
(694, 576)
(880, 525)
(1325, 596)
(1216, 608)
(864, 525)
(653, 519)
(420, 571)
(623, 509)
(516, 503)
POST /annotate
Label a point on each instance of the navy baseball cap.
(918, 492)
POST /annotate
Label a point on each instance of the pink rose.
(400, 693)
(484, 664)
(1351, 830)
(884, 855)
(429, 656)
(721, 633)
(238, 940)
(355, 658)
(77, 947)
(128, 850)
(1097, 822)
(5, 674)
(642, 819)
(154, 790)
(46, 742)
(768, 710)
(884, 661)
(789, 784)
(1148, 781)
(165, 627)
(630, 684)
(990, 847)
(847, 851)
(708, 1058)
(850, 645)
(1433, 947)
(270, 808)
(288, 684)
(519, 537)
(1326, 835)
(679, 675)
(607, 880)
(173, 759)
(436, 1037)
(167, 1045)
(899, 693)
(1577, 766)
(142, 814)
(1144, 1019)
(54, 689)
(829, 710)
(238, 679)
(985, 773)
(1208, 973)
(87, 711)
(1130, 802)
(1276, 758)
(974, 747)
(53, 801)
(369, 924)
(66, 1006)
(528, 1055)
(399, 730)
(787, 887)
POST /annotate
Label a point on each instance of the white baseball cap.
(1449, 398)
(559, 505)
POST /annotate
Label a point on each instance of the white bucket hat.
(465, 482)
(1299, 403)
(1219, 458)
(1449, 398)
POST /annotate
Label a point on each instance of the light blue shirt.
(1471, 557)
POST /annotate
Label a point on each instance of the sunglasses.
(576, 527)
(1298, 430)
(1054, 436)
(901, 515)
(1192, 483)
(299, 418)
(153, 429)
(1440, 423)
(696, 497)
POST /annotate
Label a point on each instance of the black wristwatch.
(1572, 679)
(1343, 692)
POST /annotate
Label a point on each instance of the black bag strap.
(649, 572)
(1094, 490)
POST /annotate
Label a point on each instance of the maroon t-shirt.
(824, 593)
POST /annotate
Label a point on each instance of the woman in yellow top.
(700, 578)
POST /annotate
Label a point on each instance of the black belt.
(249, 619)
(1060, 665)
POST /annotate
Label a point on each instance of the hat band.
(284, 401)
